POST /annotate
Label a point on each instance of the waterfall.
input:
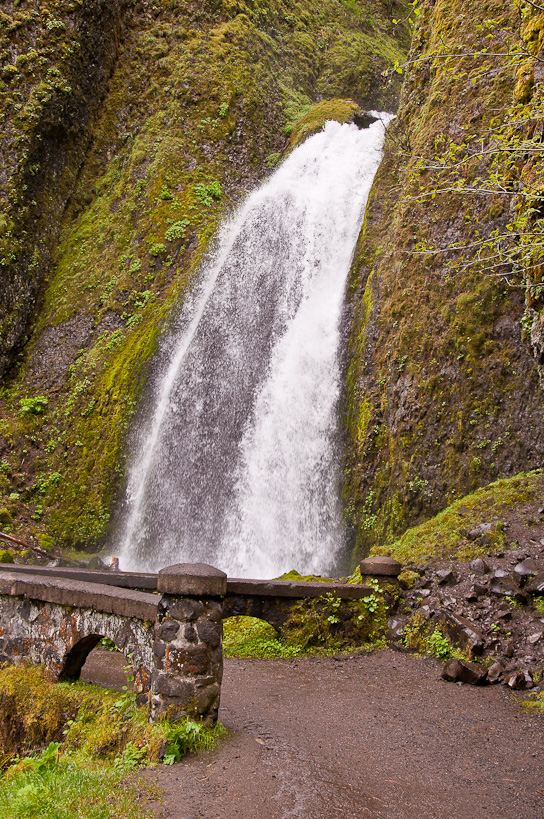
(239, 461)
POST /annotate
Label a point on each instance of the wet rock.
(423, 593)
(535, 638)
(462, 632)
(505, 587)
(479, 566)
(380, 566)
(363, 119)
(495, 672)
(509, 649)
(98, 562)
(536, 586)
(527, 568)
(167, 630)
(395, 628)
(446, 577)
(519, 680)
(462, 671)
(476, 591)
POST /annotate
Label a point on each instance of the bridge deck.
(148, 582)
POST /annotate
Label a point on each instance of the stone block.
(380, 566)
(159, 650)
(181, 690)
(191, 660)
(207, 697)
(167, 630)
(189, 633)
(210, 633)
(196, 579)
(184, 609)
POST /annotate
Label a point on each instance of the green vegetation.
(198, 101)
(251, 637)
(33, 406)
(310, 119)
(91, 738)
(322, 625)
(445, 535)
(442, 396)
(57, 789)
(534, 702)
(422, 636)
(538, 603)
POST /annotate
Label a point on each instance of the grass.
(251, 637)
(65, 790)
(66, 748)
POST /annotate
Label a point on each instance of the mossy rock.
(315, 118)
(6, 556)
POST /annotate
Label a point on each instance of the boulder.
(495, 672)
(479, 566)
(536, 585)
(446, 577)
(464, 672)
(527, 568)
(504, 586)
(462, 632)
(519, 680)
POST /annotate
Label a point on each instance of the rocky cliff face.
(443, 389)
(128, 130)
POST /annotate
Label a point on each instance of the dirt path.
(378, 737)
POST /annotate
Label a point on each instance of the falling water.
(239, 464)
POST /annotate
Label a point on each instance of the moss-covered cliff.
(128, 129)
(443, 389)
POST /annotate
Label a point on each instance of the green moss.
(445, 534)
(432, 376)
(197, 103)
(314, 118)
(408, 578)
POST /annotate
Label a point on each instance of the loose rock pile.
(488, 608)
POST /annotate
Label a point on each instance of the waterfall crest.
(239, 464)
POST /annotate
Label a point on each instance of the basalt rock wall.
(443, 386)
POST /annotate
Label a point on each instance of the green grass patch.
(251, 637)
(66, 748)
(65, 790)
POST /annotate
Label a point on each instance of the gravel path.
(379, 736)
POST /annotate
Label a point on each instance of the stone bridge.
(169, 625)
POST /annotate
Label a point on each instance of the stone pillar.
(188, 646)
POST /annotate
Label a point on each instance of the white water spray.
(240, 463)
